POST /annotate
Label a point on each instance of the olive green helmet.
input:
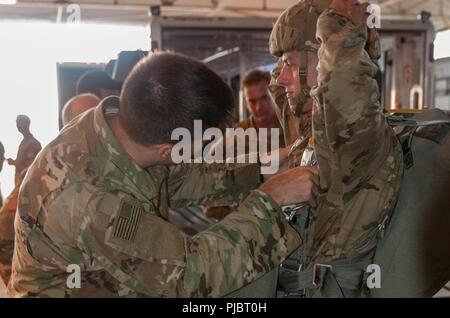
(295, 30)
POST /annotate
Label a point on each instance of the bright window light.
(8, 1)
(442, 45)
(28, 84)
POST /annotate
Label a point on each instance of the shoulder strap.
(412, 122)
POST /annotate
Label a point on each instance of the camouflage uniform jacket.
(360, 159)
(85, 202)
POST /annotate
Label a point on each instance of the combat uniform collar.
(134, 179)
(253, 123)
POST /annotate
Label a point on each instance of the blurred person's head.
(258, 101)
(98, 83)
(23, 124)
(78, 105)
(166, 91)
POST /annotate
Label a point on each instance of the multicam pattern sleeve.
(349, 126)
(359, 157)
(212, 184)
(150, 257)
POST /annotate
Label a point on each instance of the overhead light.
(8, 1)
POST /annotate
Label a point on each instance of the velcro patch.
(127, 220)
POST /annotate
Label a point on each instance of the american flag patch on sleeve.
(128, 221)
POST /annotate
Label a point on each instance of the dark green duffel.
(414, 255)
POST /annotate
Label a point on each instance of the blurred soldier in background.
(263, 115)
(259, 104)
(78, 105)
(28, 148)
(98, 83)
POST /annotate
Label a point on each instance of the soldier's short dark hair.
(254, 77)
(165, 91)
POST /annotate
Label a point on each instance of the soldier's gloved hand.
(295, 186)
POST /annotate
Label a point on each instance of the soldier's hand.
(352, 9)
(10, 161)
(295, 186)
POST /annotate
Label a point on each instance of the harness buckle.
(297, 269)
(316, 267)
(291, 210)
(382, 227)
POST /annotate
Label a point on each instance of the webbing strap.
(333, 281)
(409, 122)
(340, 278)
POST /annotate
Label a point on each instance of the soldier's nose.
(282, 78)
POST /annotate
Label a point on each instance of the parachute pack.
(414, 255)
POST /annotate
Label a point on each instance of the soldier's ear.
(165, 152)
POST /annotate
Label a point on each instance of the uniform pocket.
(137, 232)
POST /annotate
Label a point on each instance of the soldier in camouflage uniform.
(360, 159)
(7, 215)
(28, 149)
(263, 115)
(93, 200)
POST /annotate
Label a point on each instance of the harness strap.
(340, 278)
(333, 280)
(409, 122)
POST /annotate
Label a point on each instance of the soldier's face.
(289, 76)
(259, 103)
